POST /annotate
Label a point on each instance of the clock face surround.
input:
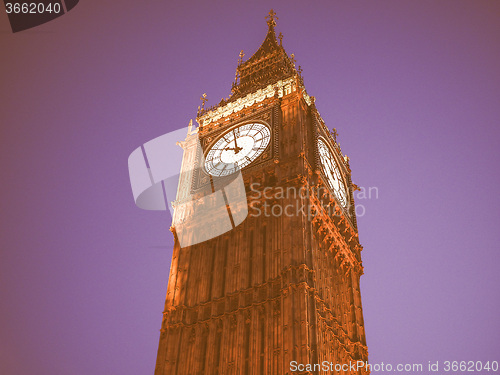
(237, 148)
(332, 173)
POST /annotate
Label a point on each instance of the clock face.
(237, 148)
(332, 173)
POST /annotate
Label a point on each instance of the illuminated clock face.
(332, 173)
(237, 148)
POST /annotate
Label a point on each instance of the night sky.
(413, 88)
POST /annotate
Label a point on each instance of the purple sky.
(413, 88)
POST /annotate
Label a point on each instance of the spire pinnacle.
(240, 57)
(203, 101)
(271, 18)
(267, 65)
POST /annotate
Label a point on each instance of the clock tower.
(279, 293)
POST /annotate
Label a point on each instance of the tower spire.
(267, 65)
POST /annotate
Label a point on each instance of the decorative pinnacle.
(240, 60)
(280, 37)
(241, 55)
(271, 18)
(334, 133)
(203, 100)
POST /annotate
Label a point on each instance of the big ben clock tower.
(279, 292)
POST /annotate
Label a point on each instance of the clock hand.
(235, 149)
(235, 144)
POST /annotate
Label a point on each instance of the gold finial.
(240, 60)
(299, 70)
(292, 59)
(203, 100)
(271, 18)
(280, 37)
(334, 133)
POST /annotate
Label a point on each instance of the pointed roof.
(269, 45)
(269, 64)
